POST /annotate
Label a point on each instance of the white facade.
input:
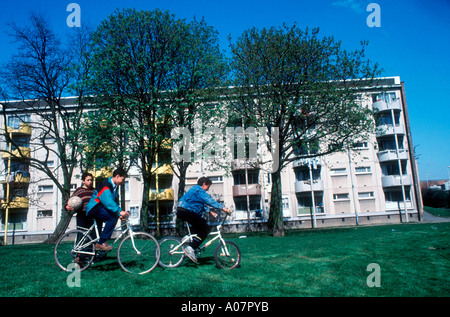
(373, 181)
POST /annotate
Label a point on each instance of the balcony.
(386, 129)
(394, 180)
(305, 186)
(16, 203)
(241, 164)
(314, 161)
(244, 190)
(163, 194)
(16, 177)
(20, 153)
(21, 130)
(391, 155)
(382, 105)
(162, 169)
(102, 172)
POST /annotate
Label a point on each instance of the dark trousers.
(199, 226)
(84, 222)
(102, 215)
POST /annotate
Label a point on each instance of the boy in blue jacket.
(104, 207)
(191, 208)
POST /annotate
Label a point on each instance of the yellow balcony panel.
(24, 153)
(162, 169)
(166, 144)
(16, 202)
(18, 178)
(24, 129)
(101, 148)
(102, 172)
(166, 194)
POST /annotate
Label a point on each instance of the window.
(45, 188)
(360, 145)
(386, 119)
(15, 121)
(44, 213)
(363, 170)
(253, 201)
(285, 202)
(397, 195)
(253, 176)
(216, 179)
(338, 171)
(50, 163)
(344, 196)
(365, 195)
(387, 97)
(134, 211)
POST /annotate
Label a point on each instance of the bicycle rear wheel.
(74, 251)
(170, 258)
(138, 253)
(227, 256)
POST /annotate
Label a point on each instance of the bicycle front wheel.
(169, 256)
(74, 251)
(138, 253)
(227, 256)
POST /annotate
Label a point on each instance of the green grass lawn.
(413, 261)
(439, 212)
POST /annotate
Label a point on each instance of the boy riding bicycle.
(104, 207)
(191, 208)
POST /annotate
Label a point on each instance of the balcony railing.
(22, 129)
(382, 105)
(244, 190)
(388, 129)
(305, 186)
(16, 203)
(162, 169)
(20, 153)
(391, 155)
(162, 194)
(396, 180)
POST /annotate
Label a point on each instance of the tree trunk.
(182, 167)
(275, 222)
(144, 223)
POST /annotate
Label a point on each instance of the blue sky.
(413, 42)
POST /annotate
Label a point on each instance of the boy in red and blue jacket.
(104, 207)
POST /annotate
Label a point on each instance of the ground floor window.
(305, 203)
(164, 209)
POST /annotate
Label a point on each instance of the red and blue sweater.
(106, 194)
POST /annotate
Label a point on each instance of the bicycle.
(138, 252)
(226, 256)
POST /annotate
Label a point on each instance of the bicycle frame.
(189, 237)
(81, 244)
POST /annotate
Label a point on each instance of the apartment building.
(375, 181)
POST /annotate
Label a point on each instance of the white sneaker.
(189, 252)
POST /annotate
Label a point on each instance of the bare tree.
(35, 82)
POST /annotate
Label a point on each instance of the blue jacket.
(197, 199)
(106, 194)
